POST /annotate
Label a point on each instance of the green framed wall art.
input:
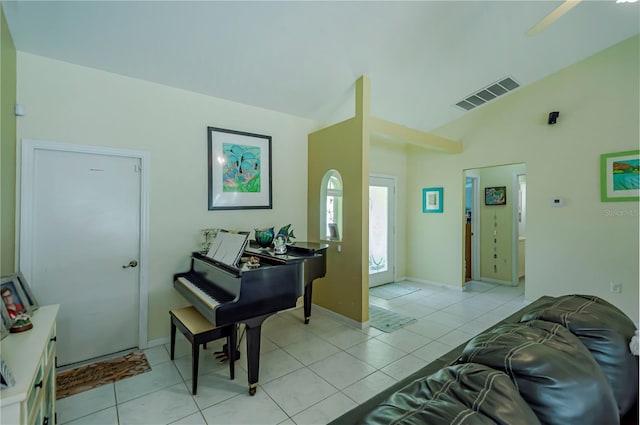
(620, 177)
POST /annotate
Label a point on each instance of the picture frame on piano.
(239, 175)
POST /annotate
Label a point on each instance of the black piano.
(225, 294)
(314, 256)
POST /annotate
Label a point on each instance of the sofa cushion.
(553, 371)
(606, 332)
(461, 394)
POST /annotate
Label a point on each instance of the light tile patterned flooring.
(309, 374)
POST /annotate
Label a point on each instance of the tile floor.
(308, 374)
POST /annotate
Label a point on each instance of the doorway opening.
(471, 234)
(521, 215)
(381, 229)
(494, 236)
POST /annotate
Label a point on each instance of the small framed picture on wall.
(496, 195)
(432, 200)
(620, 176)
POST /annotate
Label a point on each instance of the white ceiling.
(303, 57)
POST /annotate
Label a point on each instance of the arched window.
(331, 206)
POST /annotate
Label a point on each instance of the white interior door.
(381, 230)
(85, 228)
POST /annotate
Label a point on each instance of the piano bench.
(199, 330)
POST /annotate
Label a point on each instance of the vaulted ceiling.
(303, 57)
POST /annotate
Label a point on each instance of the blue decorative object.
(286, 233)
(264, 236)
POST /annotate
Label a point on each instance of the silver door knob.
(132, 263)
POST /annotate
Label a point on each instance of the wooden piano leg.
(253, 331)
(308, 289)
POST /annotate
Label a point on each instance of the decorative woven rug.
(83, 378)
(386, 320)
(390, 291)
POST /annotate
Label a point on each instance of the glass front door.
(381, 230)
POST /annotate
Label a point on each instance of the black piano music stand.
(199, 330)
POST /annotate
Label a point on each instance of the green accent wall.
(7, 148)
(348, 148)
(341, 290)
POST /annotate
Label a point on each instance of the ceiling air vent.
(488, 93)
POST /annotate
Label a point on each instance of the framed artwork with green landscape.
(619, 176)
(239, 170)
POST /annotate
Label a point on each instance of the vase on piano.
(264, 236)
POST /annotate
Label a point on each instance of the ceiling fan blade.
(553, 16)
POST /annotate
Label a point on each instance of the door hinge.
(137, 168)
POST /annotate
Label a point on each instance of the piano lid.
(294, 251)
(311, 247)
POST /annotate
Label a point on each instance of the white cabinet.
(30, 356)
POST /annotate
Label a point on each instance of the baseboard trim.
(159, 341)
(341, 318)
(440, 284)
(499, 282)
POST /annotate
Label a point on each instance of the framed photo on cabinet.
(6, 378)
(5, 323)
(14, 301)
(22, 289)
(17, 306)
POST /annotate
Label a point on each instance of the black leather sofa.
(560, 360)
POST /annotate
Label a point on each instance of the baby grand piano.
(225, 294)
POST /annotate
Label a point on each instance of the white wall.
(578, 248)
(79, 105)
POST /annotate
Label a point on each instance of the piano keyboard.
(204, 297)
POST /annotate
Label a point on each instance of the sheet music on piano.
(227, 248)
